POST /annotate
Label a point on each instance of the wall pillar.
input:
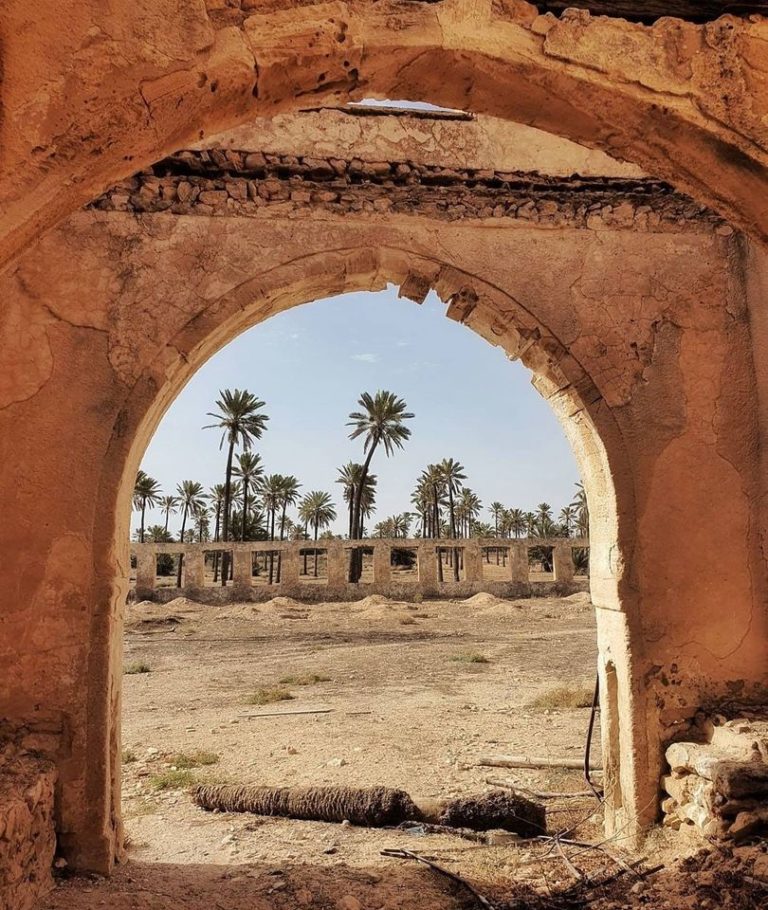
(518, 561)
(337, 565)
(473, 570)
(242, 569)
(562, 561)
(382, 563)
(289, 567)
(146, 571)
(194, 570)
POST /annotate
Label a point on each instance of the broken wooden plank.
(524, 761)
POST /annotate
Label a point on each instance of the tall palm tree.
(452, 474)
(249, 469)
(582, 510)
(240, 422)
(271, 493)
(320, 512)
(146, 492)
(567, 519)
(349, 477)
(169, 505)
(203, 523)
(517, 522)
(497, 513)
(191, 498)
(380, 422)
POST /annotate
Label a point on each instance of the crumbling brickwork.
(231, 182)
(27, 835)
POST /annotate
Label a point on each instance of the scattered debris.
(524, 761)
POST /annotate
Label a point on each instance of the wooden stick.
(539, 794)
(408, 854)
(289, 713)
(523, 761)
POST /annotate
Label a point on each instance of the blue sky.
(310, 364)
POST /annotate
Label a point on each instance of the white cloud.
(403, 344)
(366, 358)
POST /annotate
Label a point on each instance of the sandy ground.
(404, 706)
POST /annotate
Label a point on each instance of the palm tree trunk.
(216, 553)
(181, 537)
(316, 528)
(227, 505)
(282, 537)
(453, 533)
(245, 508)
(272, 552)
(143, 508)
(356, 563)
(306, 525)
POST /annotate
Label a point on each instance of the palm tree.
(191, 498)
(582, 510)
(349, 477)
(452, 474)
(169, 505)
(567, 519)
(497, 511)
(241, 423)
(320, 512)
(517, 522)
(146, 492)
(271, 493)
(203, 523)
(249, 469)
(381, 421)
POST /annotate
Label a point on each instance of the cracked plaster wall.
(642, 344)
(125, 84)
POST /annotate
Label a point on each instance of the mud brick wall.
(27, 836)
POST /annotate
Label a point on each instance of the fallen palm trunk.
(524, 761)
(377, 807)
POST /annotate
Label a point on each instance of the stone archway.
(121, 308)
(122, 89)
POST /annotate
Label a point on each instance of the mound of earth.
(239, 611)
(147, 613)
(284, 603)
(580, 597)
(483, 599)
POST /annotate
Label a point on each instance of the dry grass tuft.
(269, 695)
(186, 760)
(564, 697)
(470, 657)
(304, 679)
(138, 666)
(172, 780)
(129, 756)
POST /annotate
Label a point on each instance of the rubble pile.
(718, 787)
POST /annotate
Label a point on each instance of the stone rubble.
(718, 787)
(218, 182)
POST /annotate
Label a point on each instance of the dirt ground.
(408, 696)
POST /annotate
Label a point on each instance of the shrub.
(172, 780)
(138, 666)
(304, 679)
(186, 760)
(268, 695)
(129, 757)
(564, 697)
(470, 657)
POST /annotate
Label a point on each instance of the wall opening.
(433, 621)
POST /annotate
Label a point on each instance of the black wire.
(599, 794)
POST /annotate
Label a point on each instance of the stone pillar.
(518, 562)
(194, 569)
(473, 569)
(562, 561)
(289, 571)
(382, 563)
(337, 566)
(427, 562)
(242, 569)
(146, 570)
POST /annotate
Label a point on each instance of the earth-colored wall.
(125, 84)
(641, 342)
